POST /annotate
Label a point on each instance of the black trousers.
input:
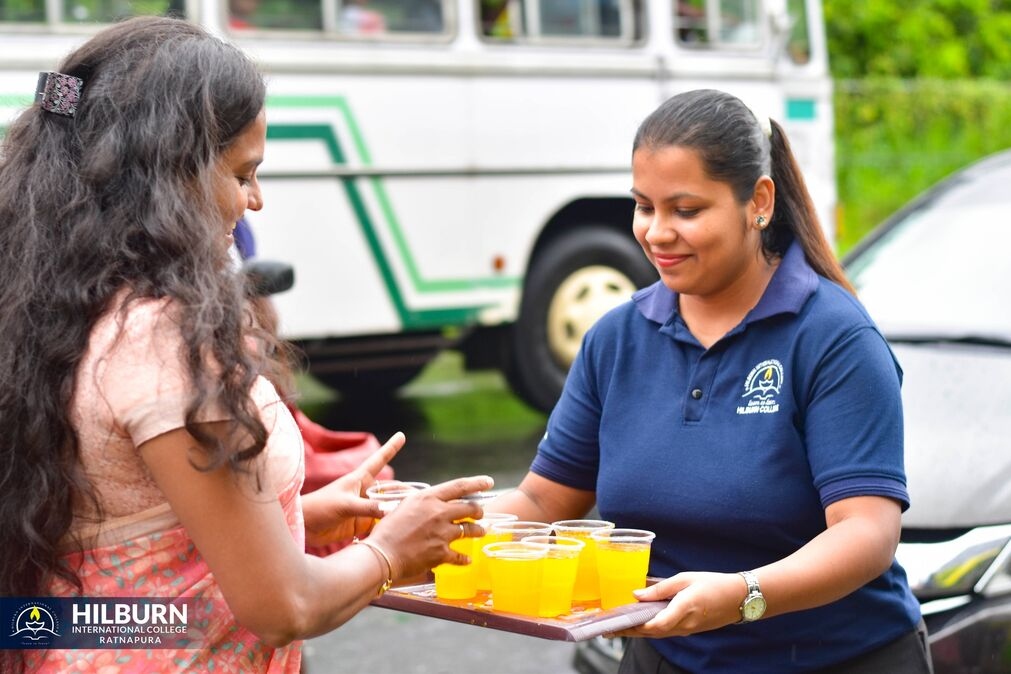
(909, 654)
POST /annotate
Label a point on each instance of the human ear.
(763, 202)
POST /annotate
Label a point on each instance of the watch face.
(754, 608)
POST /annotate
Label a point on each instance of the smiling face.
(701, 240)
(236, 188)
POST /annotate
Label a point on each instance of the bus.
(455, 174)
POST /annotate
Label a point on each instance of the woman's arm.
(857, 546)
(273, 588)
(542, 500)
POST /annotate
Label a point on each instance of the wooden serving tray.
(585, 621)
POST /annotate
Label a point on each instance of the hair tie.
(764, 122)
(58, 93)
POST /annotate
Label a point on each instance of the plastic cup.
(481, 573)
(453, 581)
(587, 582)
(389, 493)
(558, 577)
(622, 562)
(516, 568)
(517, 530)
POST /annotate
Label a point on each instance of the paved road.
(381, 641)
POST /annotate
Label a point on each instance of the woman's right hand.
(417, 534)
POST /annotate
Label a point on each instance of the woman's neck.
(710, 317)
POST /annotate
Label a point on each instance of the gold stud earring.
(760, 222)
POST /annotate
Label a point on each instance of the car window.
(943, 270)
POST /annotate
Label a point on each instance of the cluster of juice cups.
(535, 568)
(540, 569)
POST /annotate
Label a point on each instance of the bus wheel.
(574, 280)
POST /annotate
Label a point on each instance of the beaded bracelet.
(385, 558)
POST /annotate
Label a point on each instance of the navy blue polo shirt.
(731, 454)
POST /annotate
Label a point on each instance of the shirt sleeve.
(143, 375)
(569, 452)
(853, 421)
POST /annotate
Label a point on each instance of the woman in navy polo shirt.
(747, 410)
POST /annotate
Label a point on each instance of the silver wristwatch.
(753, 606)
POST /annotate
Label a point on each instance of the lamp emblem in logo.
(763, 384)
(35, 624)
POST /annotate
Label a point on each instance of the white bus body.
(464, 182)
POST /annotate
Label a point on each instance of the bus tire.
(572, 281)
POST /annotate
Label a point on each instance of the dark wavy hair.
(735, 150)
(119, 196)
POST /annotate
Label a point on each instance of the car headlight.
(975, 562)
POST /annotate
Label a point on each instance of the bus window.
(367, 18)
(358, 17)
(567, 19)
(411, 16)
(22, 11)
(718, 23)
(274, 15)
(109, 11)
(501, 18)
(798, 45)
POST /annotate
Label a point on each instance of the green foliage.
(919, 38)
(921, 90)
(895, 138)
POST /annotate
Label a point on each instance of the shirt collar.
(792, 284)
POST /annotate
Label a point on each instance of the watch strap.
(751, 580)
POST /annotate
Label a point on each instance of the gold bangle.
(385, 558)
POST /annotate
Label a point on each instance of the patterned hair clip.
(59, 93)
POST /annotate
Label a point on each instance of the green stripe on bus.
(16, 100)
(416, 319)
(430, 285)
(800, 108)
(420, 285)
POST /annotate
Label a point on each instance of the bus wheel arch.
(576, 274)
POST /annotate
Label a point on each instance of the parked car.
(936, 277)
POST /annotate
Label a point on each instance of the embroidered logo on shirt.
(761, 388)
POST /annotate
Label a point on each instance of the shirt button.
(696, 393)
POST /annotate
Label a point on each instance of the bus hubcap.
(580, 300)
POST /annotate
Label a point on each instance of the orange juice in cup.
(558, 577)
(481, 573)
(453, 581)
(587, 582)
(516, 568)
(622, 564)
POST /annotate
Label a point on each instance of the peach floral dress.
(130, 389)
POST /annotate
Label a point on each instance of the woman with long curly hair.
(144, 452)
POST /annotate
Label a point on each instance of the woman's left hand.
(699, 601)
(339, 511)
